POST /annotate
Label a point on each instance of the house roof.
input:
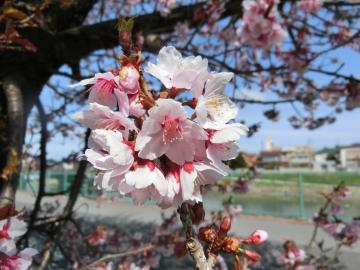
(354, 145)
(270, 153)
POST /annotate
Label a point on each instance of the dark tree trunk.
(17, 97)
(13, 130)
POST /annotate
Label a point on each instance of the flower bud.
(225, 225)
(207, 234)
(197, 213)
(7, 211)
(252, 255)
(129, 79)
(256, 238)
(231, 245)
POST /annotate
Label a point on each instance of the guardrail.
(289, 204)
(57, 182)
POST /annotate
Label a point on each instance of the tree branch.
(192, 243)
(118, 255)
(68, 209)
(89, 38)
(43, 165)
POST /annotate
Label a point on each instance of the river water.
(281, 206)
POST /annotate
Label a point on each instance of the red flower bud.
(7, 211)
(256, 238)
(197, 213)
(252, 255)
(232, 245)
(225, 225)
(207, 234)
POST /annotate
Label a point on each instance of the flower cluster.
(294, 257)
(346, 232)
(165, 6)
(158, 145)
(217, 240)
(310, 5)
(261, 28)
(10, 258)
(167, 237)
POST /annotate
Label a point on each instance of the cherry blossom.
(104, 89)
(213, 112)
(98, 237)
(102, 117)
(260, 26)
(17, 261)
(174, 71)
(9, 230)
(292, 254)
(257, 237)
(10, 258)
(143, 174)
(182, 30)
(165, 6)
(213, 106)
(310, 5)
(149, 147)
(112, 156)
(129, 79)
(168, 131)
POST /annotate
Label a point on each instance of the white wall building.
(350, 157)
(299, 156)
(321, 163)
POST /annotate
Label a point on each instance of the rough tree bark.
(13, 128)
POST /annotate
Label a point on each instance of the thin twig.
(118, 255)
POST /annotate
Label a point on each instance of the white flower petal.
(187, 182)
(229, 133)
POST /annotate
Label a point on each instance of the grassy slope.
(321, 178)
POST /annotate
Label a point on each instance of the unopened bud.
(197, 213)
(225, 225)
(232, 245)
(207, 234)
(256, 238)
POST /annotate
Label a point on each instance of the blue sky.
(345, 130)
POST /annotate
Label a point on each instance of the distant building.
(323, 163)
(269, 146)
(291, 157)
(350, 157)
(299, 156)
(271, 159)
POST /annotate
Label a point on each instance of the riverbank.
(281, 198)
(330, 178)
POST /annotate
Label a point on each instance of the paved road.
(279, 229)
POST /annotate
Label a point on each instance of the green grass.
(319, 178)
